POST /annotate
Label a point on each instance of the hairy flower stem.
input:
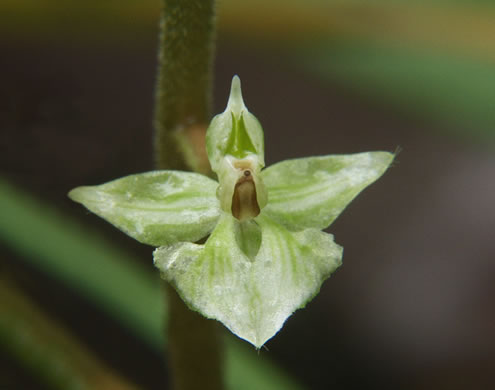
(182, 113)
(183, 90)
(194, 347)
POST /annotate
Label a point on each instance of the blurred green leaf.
(84, 262)
(431, 58)
(456, 91)
(45, 348)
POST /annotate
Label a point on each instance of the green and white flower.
(265, 254)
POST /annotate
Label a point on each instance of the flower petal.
(235, 132)
(313, 191)
(156, 208)
(253, 298)
(213, 279)
(289, 270)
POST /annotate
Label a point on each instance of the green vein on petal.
(155, 208)
(289, 270)
(223, 296)
(252, 297)
(313, 191)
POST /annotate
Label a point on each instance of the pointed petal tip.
(76, 194)
(236, 103)
(84, 194)
(260, 340)
(255, 342)
(384, 160)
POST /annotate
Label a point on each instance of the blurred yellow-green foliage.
(434, 57)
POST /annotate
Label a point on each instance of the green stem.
(182, 113)
(183, 93)
(194, 347)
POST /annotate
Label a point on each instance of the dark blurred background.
(413, 305)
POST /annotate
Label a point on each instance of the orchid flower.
(265, 253)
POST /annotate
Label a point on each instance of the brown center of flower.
(244, 202)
